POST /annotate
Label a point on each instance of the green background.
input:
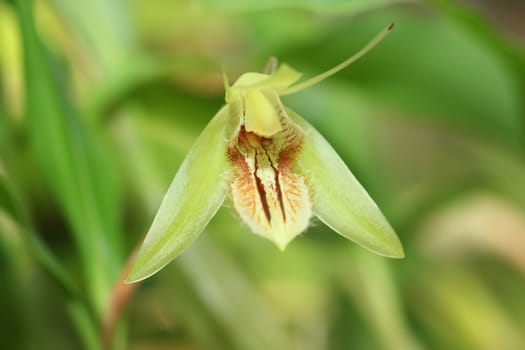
(100, 101)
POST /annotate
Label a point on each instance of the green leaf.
(339, 199)
(12, 207)
(76, 169)
(194, 196)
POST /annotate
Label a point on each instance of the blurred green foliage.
(100, 101)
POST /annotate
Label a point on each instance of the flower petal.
(194, 196)
(338, 198)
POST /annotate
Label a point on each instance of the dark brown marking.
(262, 193)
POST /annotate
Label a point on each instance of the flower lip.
(267, 193)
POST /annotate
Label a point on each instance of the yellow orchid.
(275, 167)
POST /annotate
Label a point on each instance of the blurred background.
(100, 100)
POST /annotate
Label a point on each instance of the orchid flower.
(274, 167)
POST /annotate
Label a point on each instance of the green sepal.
(338, 198)
(193, 198)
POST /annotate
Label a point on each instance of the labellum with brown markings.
(269, 195)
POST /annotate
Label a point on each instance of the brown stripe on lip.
(262, 194)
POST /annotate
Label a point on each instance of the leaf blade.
(68, 154)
